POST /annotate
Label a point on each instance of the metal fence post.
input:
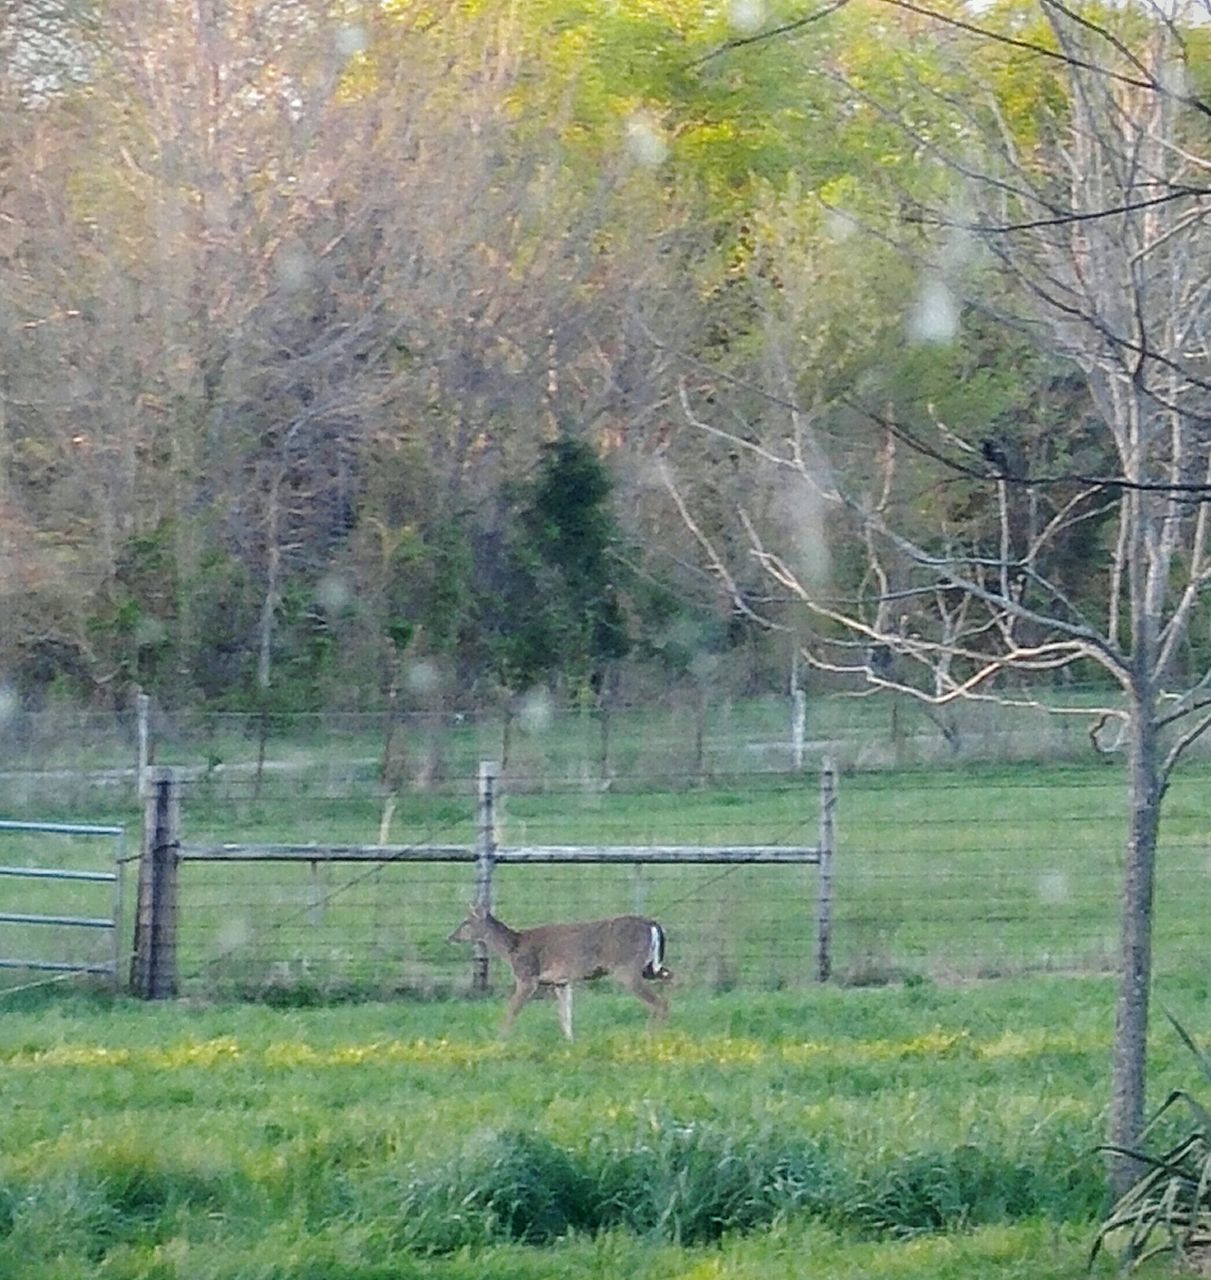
(143, 713)
(153, 970)
(485, 860)
(824, 900)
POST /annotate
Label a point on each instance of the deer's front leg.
(563, 994)
(525, 988)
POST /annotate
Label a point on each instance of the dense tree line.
(339, 339)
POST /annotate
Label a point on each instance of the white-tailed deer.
(628, 948)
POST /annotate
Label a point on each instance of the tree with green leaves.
(554, 610)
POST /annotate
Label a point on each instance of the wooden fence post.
(485, 860)
(153, 968)
(824, 900)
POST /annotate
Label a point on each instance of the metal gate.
(110, 923)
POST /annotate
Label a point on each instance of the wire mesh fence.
(331, 917)
(64, 756)
(937, 876)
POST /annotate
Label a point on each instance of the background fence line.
(85, 757)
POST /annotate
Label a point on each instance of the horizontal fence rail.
(688, 855)
(82, 922)
(62, 828)
(57, 966)
(59, 873)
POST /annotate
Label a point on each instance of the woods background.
(359, 358)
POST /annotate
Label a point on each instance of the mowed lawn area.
(912, 1130)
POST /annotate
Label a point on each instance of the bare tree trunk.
(391, 768)
(506, 731)
(605, 723)
(269, 608)
(1131, 1017)
(262, 747)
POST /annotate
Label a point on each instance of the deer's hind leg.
(658, 1005)
(525, 988)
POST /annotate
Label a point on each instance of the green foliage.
(518, 1186)
(969, 1185)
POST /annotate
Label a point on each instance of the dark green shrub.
(693, 1183)
(937, 1190)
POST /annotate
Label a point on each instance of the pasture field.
(916, 1131)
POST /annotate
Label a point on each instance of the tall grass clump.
(687, 1184)
(1168, 1208)
(928, 1191)
(691, 1184)
(514, 1186)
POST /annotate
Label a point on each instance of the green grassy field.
(942, 1124)
(919, 1131)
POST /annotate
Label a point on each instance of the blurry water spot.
(332, 592)
(805, 549)
(645, 140)
(351, 40)
(149, 631)
(292, 266)
(1053, 887)
(935, 313)
(704, 665)
(535, 713)
(421, 677)
(838, 225)
(235, 932)
(1173, 77)
(216, 208)
(746, 16)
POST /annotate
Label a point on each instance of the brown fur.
(556, 955)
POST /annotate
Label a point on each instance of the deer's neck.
(499, 936)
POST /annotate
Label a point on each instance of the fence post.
(798, 727)
(143, 715)
(485, 860)
(153, 968)
(824, 900)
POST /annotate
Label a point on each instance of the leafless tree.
(1099, 226)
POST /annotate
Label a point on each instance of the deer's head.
(473, 928)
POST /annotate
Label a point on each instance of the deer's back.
(586, 949)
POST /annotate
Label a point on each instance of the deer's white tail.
(654, 968)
